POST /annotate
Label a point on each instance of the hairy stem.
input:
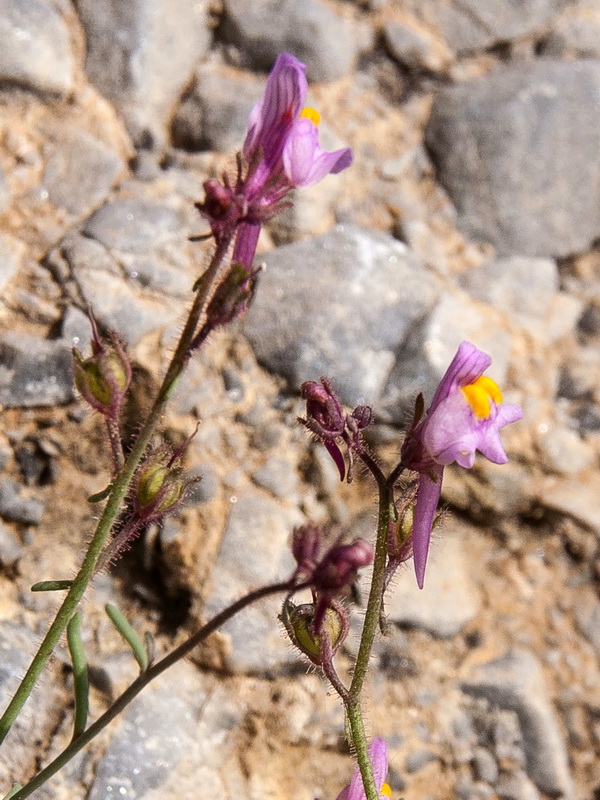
(361, 748)
(120, 488)
(143, 680)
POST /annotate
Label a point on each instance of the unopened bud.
(103, 379)
(307, 542)
(160, 485)
(339, 566)
(323, 409)
(232, 297)
(362, 416)
(299, 624)
(217, 201)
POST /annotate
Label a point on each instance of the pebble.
(141, 55)
(576, 497)
(278, 475)
(482, 133)
(312, 31)
(575, 33)
(34, 371)
(485, 766)
(515, 681)
(16, 508)
(80, 171)
(449, 600)
(414, 46)
(5, 195)
(587, 616)
(11, 253)
(352, 342)
(10, 549)
(516, 786)
(36, 52)
(214, 114)
(418, 759)
(254, 551)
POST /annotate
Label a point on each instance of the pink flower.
(465, 415)
(355, 789)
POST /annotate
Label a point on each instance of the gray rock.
(526, 289)
(80, 171)
(278, 475)
(10, 549)
(16, 508)
(472, 25)
(255, 550)
(516, 786)
(171, 742)
(516, 682)
(141, 55)
(576, 32)
(10, 259)
(349, 299)
(214, 115)
(574, 497)
(482, 134)
(34, 371)
(414, 47)
(587, 615)
(206, 489)
(39, 718)
(449, 600)
(418, 759)
(485, 766)
(36, 52)
(324, 40)
(5, 196)
(132, 225)
(432, 345)
(76, 328)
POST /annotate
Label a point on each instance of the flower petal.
(428, 495)
(468, 364)
(378, 755)
(271, 119)
(245, 244)
(304, 160)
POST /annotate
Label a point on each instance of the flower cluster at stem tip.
(465, 415)
(282, 152)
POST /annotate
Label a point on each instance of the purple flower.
(465, 415)
(355, 789)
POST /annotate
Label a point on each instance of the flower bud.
(160, 485)
(339, 566)
(362, 416)
(232, 297)
(299, 624)
(103, 378)
(323, 409)
(307, 541)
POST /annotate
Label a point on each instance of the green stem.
(117, 495)
(143, 680)
(361, 748)
(371, 622)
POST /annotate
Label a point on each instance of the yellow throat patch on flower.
(478, 395)
(312, 114)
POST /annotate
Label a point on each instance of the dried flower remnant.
(465, 415)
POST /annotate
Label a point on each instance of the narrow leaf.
(14, 789)
(102, 495)
(51, 586)
(80, 674)
(131, 637)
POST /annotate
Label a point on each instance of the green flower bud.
(103, 378)
(298, 622)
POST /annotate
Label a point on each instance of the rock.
(414, 47)
(562, 450)
(171, 742)
(323, 39)
(141, 55)
(278, 475)
(516, 786)
(17, 646)
(469, 25)
(527, 290)
(11, 253)
(76, 328)
(80, 171)
(34, 371)
(431, 346)
(214, 115)
(485, 766)
(516, 682)
(36, 51)
(575, 33)
(5, 195)
(351, 327)
(418, 759)
(10, 549)
(587, 615)
(15, 508)
(132, 263)
(576, 497)
(254, 551)
(449, 600)
(482, 134)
